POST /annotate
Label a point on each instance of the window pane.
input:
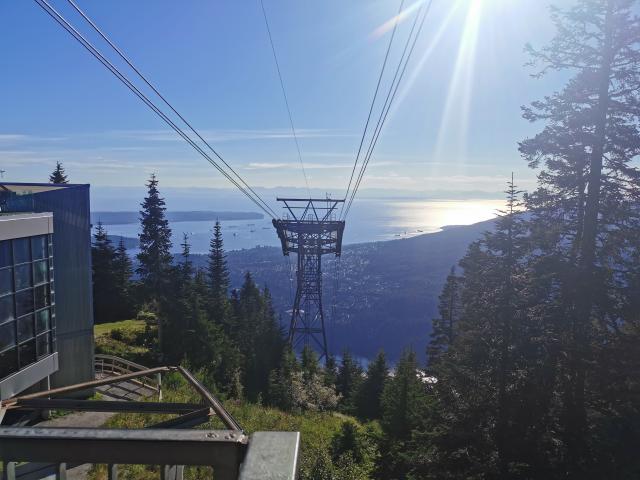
(25, 328)
(43, 321)
(24, 302)
(39, 247)
(8, 363)
(23, 277)
(21, 250)
(42, 296)
(7, 335)
(40, 272)
(6, 280)
(27, 353)
(5, 253)
(42, 343)
(6, 309)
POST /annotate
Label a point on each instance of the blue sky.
(453, 131)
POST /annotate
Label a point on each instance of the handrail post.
(159, 380)
(9, 472)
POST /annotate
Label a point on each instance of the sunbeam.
(455, 119)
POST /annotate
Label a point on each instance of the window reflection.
(27, 327)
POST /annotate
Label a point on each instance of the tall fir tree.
(368, 399)
(218, 273)
(155, 243)
(58, 175)
(404, 402)
(123, 268)
(348, 381)
(443, 327)
(105, 293)
(585, 209)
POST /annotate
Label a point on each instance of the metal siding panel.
(72, 274)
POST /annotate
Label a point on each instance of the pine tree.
(258, 336)
(217, 265)
(155, 243)
(588, 196)
(123, 268)
(330, 371)
(281, 390)
(58, 175)
(309, 363)
(443, 327)
(484, 382)
(404, 402)
(104, 277)
(348, 380)
(369, 396)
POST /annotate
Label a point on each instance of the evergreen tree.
(258, 336)
(105, 293)
(58, 175)
(404, 402)
(348, 380)
(155, 243)
(330, 371)
(123, 268)
(309, 363)
(281, 389)
(369, 395)
(443, 327)
(585, 209)
(217, 265)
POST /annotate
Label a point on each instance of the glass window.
(7, 335)
(25, 328)
(42, 296)
(5, 253)
(27, 353)
(23, 277)
(43, 321)
(43, 345)
(40, 272)
(6, 280)
(24, 302)
(8, 362)
(21, 252)
(6, 309)
(39, 247)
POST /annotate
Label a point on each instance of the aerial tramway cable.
(373, 102)
(155, 90)
(53, 13)
(284, 94)
(391, 94)
(393, 90)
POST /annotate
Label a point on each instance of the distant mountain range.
(388, 291)
(123, 218)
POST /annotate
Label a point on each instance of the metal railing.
(38, 452)
(110, 365)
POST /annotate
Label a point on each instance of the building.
(46, 309)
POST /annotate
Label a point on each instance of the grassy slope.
(123, 339)
(316, 428)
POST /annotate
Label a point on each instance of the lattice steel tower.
(309, 229)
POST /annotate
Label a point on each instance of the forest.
(533, 365)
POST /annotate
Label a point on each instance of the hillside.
(388, 290)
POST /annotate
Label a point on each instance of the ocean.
(369, 220)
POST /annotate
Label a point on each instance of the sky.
(453, 131)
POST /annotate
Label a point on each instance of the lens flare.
(396, 19)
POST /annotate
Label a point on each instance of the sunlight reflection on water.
(369, 220)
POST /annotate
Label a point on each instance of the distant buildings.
(46, 309)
